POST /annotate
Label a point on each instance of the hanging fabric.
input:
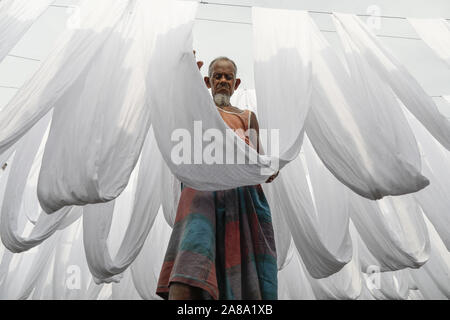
(143, 209)
(283, 83)
(433, 278)
(447, 98)
(16, 18)
(391, 71)
(16, 209)
(393, 230)
(283, 237)
(60, 70)
(343, 126)
(147, 266)
(434, 199)
(319, 229)
(293, 282)
(100, 124)
(436, 34)
(29, 266)
(345, 284)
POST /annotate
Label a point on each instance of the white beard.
(222, 100)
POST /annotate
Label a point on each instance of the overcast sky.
(214, 39)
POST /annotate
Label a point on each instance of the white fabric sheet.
(16, 17)
(100, 124)
(147, 266)
(293, 282)
(282, 49)
(447, 98)
(107, 267)
(319, 229)
(17, 208)
(345, 284)
(347, 111)
(393, 230)
(436, 34)
(433, 278)
(397, 76)
(60, 70)
(434, 200)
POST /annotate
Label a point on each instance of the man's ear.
(238, 82)
(208, 82)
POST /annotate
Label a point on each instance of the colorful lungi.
(223, 243)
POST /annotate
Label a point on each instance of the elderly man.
(222, 245)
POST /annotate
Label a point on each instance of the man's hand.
(199, 63)
(273, 177)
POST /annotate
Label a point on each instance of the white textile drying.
(393, 230)
(433, 278)
(310, 219)
(436, 34)
(283, 83)
(60, 70)
(447, 98)
(100, 123)
(306, 195)
(434, 200)
(348, 109)
(18, 205)
(16, 17)
(144, 206)
(397, 77)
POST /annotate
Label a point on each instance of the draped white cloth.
(19, 199)
(447, 98)
(433, 278)
(100, 124)
(59, 71)
(283, 54)
(142, 212)
(434, 200)
(348, 108)
(393, 230)
(345, 284)
(436, 34)
(147, 266)
(310, 219)
(393, 73)
(16, 17)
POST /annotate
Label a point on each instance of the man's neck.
(223, 107)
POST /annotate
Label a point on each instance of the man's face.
(223, 79)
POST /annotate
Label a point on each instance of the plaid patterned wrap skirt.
(223, 242)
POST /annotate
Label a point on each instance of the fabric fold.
(16, 18)
(97, 220)
(60, 70)
(16, 208)
(100, 124)
(393, 230)
(391, 71)
(436, 34)
(357, 127)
